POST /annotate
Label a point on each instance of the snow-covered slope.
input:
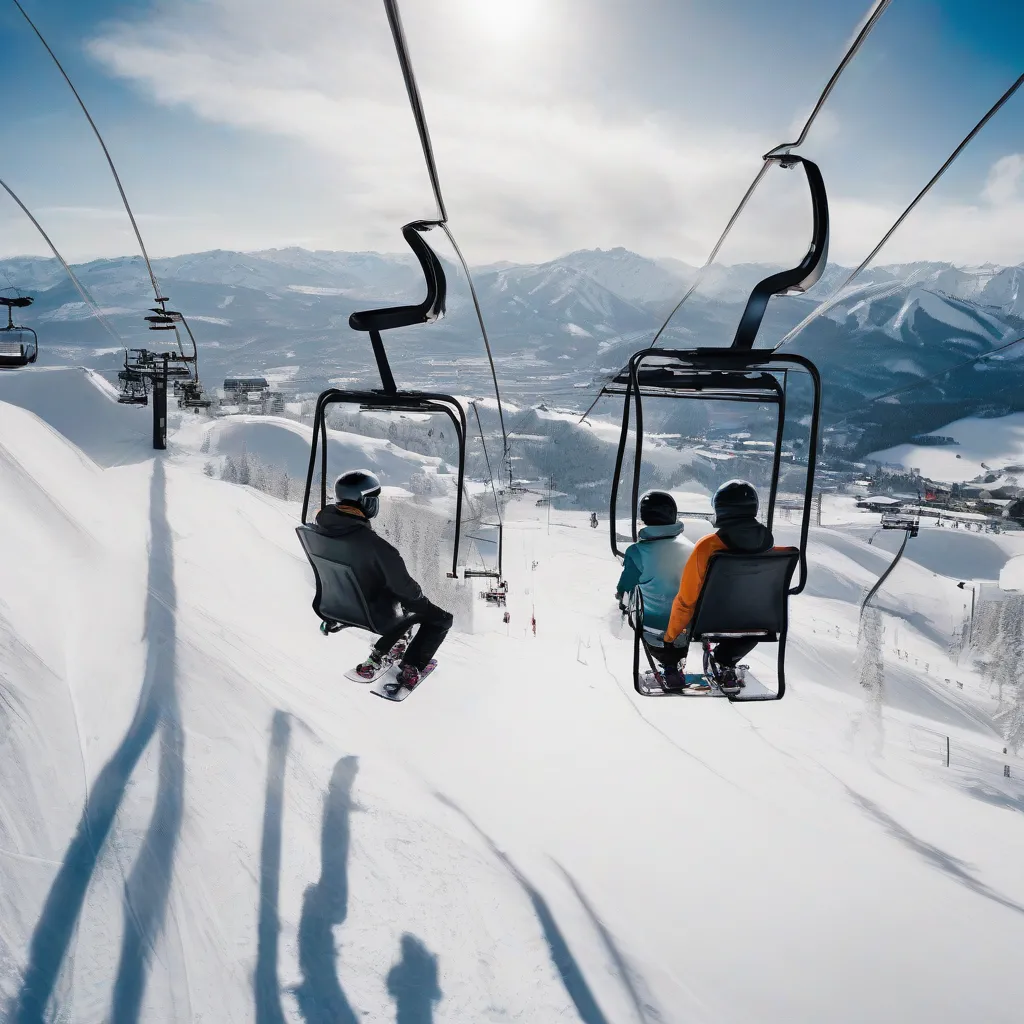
(200, 819)
(983, 445)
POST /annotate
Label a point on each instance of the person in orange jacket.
(735, 504)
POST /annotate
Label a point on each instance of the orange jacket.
(694, 571)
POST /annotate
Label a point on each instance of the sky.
(557, 125)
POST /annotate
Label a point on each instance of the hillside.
(201, 819)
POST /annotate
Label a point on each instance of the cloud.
(1004, 180)
(537, 149)
(529, 165)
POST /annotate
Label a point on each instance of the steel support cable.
(483, 332)
(81, 289)
(885, 575)
(103, 146)
(161, 299)
(415, 101)
(869, 22)
(497, 507)
(833, 300)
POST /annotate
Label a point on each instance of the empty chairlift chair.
(19, 346)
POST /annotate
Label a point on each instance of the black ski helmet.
(733, 501)
(657, 508)
(359, 488)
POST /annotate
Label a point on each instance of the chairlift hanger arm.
(425, 312)
(802, 276)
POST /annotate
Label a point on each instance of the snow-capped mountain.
(554, 325)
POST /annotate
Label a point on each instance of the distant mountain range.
(556, 327)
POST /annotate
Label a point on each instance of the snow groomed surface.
(201, 819)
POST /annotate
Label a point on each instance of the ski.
(391, 689)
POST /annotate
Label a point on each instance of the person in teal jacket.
(655, 565)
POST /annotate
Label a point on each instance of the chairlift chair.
(388, 398)
(743, 596)
(339, 600)
(743, 374)
(19, 346)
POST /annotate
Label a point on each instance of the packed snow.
(201, 819)
(983, 445)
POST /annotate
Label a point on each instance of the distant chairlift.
(739, 373)
(19, 346)
(497, 592)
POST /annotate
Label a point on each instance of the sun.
(504, 19)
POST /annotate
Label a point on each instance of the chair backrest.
(745, 593)
(339, 598)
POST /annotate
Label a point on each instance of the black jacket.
(747, 536)
(378, 567)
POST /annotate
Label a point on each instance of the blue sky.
(558, 124)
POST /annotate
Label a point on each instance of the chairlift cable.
(769, 158)
(483, 332)
(13, 286)
(490, 475)
(160, 298)
(398, 33)
(103, 146)
(82, 290)
(416, 102)
(833, 300)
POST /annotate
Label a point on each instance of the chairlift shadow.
(266, 984)
(569, 970)
(147, 888)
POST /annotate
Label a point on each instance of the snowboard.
(654, 689)
(390, 689)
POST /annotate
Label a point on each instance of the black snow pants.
(433, 625)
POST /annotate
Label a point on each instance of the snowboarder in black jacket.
(392, 594)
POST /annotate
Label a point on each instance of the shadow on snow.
(643, 1004)
(147, 887)
(561, 956)
(325, 906)
(956, 869)
(412, 983)
(266, 986)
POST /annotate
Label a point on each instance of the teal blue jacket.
(655, 565)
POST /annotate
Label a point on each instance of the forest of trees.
(999, 633)
(249, 470)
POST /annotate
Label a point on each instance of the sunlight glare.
(504, 19)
